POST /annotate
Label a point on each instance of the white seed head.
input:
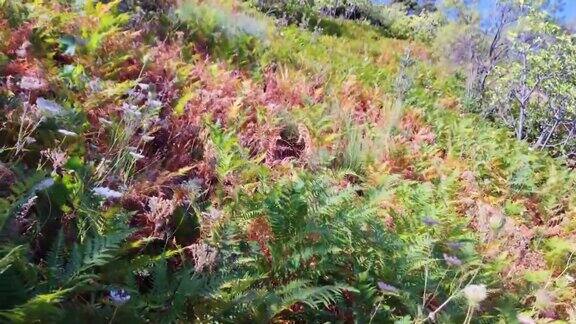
(496, 222)
(66, 132)
(544, 299)
(106, 192)
(475, 294)
(137, 156)
(49, 107)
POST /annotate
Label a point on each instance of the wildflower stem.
(425, 286)
(432, 314)
(113, 315)
(469, 313)
(374, 312)
(19, 143)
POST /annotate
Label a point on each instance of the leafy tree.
(533, 88)
(417, 6)
(514, 68)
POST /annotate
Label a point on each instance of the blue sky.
(571, 9)
(572, 6)
(568, 14)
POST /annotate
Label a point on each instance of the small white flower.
(22, 50)
(147, 138)
(104, 121)
(48, 106)
(67, 133)
(212, 215)
(119, 296)
(452, 260)
(44, 184)
(384, 287)
(30, 140)
(154, 103)
(95, 85)
(131, 110)
(544, 299)
(137, 156)
(193, 186)
(204, 256)
(142, 272)
(106, 192)
(475, 294)
(525, 319)
(31, 83)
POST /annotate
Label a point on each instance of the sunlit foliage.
(270, 161)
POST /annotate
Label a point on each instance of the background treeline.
(517, 59)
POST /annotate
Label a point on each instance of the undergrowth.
(205, 163)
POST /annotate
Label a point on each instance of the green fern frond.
(21, 192)
(40, 308)
(160, 278)
(11, 257)
(67, 267)
(101, 250)
(314, 297)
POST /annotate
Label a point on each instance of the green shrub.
(236, 36)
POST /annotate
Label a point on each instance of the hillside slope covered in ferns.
(249, 162)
